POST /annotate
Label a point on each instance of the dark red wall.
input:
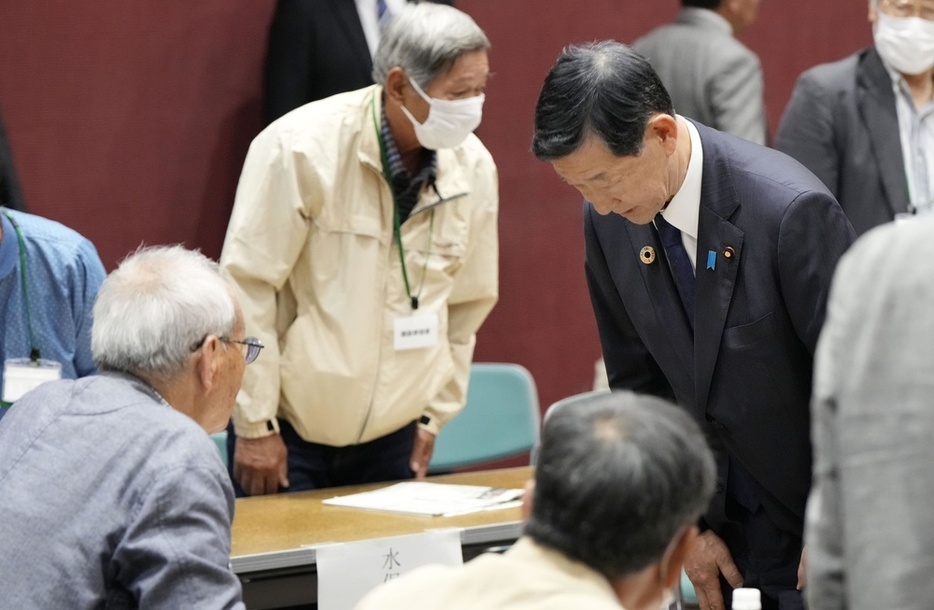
(129, 122)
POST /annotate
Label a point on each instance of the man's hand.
(709, 558)
(421, 452)
(261, 465)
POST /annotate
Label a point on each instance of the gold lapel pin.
(729, 252)
(647, 255)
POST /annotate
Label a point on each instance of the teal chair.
(688, 594)
(220, 439)
(500, 420)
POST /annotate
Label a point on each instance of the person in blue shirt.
(45, 313)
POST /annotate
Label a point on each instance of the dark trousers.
(315, 466)
(772, 567)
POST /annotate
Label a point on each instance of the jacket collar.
(875, 98)
(705, 18)
(450, 183)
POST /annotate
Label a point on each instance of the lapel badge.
(711, 260)
(647, 255)
(729, 252)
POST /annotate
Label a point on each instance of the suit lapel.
(876, 101)
(714, 292)
(714, 286)
(661, 303)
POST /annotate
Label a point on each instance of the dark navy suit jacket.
(745, 372)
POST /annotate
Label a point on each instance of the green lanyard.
(33, 351)
(397, 220)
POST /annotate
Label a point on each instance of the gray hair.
(425, 40)
(618, 476)
(158, 304)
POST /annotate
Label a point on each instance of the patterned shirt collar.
(400, 175)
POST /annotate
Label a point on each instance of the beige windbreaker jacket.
(310, 249)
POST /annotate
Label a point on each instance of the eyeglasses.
(252, 346)
(908, 8)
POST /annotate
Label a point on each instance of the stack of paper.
(431, 499)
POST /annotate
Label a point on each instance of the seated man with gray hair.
(621, 481)
(113, 493)
(363, 241)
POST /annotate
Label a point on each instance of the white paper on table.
(430, 499)
(347, 572)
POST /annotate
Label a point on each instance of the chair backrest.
(500, 419)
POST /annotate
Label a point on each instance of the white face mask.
(449, 122)
(905, 43)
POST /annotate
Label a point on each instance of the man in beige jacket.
(363, 242)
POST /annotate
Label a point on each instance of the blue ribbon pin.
(711, 259)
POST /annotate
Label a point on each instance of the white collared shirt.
(916, 134)
(684, 209)
(370, 21)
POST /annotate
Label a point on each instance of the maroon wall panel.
(129, 121)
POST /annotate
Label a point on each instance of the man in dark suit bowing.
(709, 260)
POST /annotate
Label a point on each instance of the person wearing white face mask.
(865, 124)
(363, 242)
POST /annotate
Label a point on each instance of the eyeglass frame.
(907, 8)
(253, 346)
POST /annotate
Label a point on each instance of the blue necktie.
(738, 486)
(681, 269)
(381, 9)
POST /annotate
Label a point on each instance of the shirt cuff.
(257, 430)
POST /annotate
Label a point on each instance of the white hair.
(425, 40)
(155, 307)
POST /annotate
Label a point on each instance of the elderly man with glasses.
(865, 124)
(113, 493)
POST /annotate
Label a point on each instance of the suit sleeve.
(268, 228)
(814, 234)
(476, 290)
(736, 98)
(175, 553)
(806, 131)
(629, 365)
(288, 83)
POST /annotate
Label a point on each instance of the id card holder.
(20, 375)
(415, 332)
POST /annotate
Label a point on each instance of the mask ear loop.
(423, 95)
(418, 90)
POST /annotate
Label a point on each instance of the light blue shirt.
(63, 274)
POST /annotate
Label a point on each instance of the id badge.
(415, 332)
(20, 375)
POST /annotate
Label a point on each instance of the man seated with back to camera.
(620, 483)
